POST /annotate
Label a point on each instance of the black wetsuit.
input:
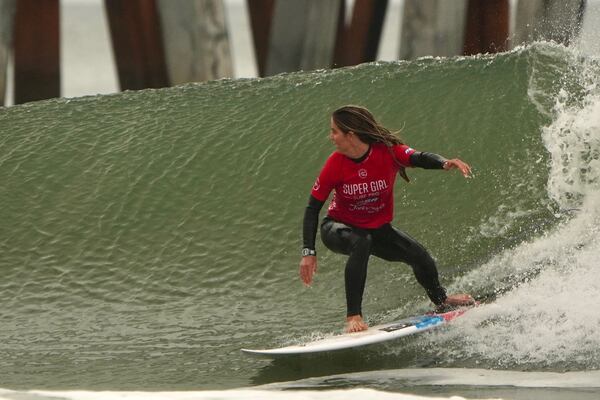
(385, 242)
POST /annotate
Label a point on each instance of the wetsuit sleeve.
(320, 192)
(427, 160)
(409, 157)
(327, 178)
(311, 222)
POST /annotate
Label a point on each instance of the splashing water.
(546, 313)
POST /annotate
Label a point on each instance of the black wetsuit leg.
(355, 243)
(392, 244)
(385, 242)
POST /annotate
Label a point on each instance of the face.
(341, 140)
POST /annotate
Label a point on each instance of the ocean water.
(147, 236)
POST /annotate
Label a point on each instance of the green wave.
(174, 215)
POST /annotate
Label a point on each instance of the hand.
(308, 267)
(464, 168)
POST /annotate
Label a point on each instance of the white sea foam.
(548, 313)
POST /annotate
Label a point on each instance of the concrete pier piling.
(36, 50)
(433, 28)
(137, 43)
(486, 27)
(261, 15)
(195, 40)
(7, 15)
(302, 35)
(359, 40)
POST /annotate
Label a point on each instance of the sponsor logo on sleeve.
(317, 185)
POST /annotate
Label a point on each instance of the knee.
(336, 237)
(343, 239)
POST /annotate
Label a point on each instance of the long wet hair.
(359, 120)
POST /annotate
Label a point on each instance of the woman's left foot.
(456, 300)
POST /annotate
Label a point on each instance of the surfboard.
(375, 334)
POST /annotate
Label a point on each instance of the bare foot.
(456, 300)
(460, 300)
(355, 323)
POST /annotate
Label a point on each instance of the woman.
(362, 172)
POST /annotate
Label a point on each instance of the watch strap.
(308, 252)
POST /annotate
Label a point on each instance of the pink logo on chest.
(362, 173)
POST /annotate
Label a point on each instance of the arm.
(323, 186)
(435, 161)
(422, 159)
(308, 264)
(311, 222)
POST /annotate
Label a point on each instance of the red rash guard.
(364, 191)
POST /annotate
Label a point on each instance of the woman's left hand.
(464, 168)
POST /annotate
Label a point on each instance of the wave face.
(148, 236)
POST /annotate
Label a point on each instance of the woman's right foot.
(355, 323)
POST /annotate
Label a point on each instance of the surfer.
(361, 173)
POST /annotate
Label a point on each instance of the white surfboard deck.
(375, 334)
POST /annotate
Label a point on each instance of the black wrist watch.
(308, 252)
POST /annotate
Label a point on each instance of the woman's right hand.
(462, 166)
(308, 267)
